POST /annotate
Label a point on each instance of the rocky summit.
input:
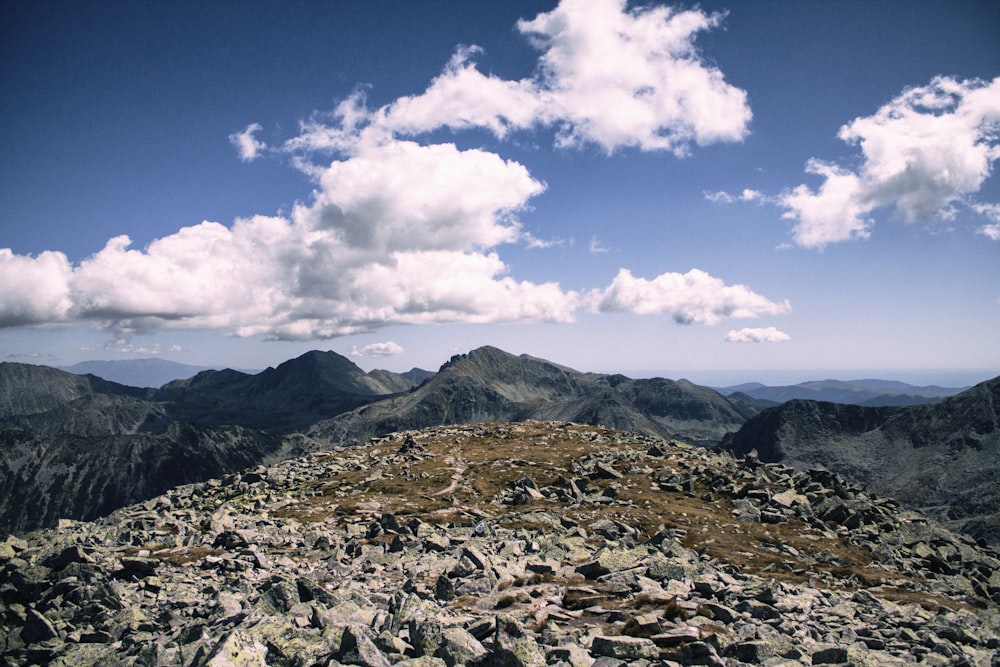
(515, 545)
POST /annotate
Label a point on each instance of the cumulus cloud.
(607, 76)
(923, 153)
(692, 297)
(247, 145)
(33, 290)
(378, 350)
(402, 232)
(615, 77)
(760, 335)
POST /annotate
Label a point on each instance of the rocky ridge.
(529, 544)
(943, 458)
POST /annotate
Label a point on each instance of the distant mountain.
(399, 382)
(150, 372)
(489, 384)
(943, 458)
(290, 397)
(869, 392)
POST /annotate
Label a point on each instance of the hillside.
(943, 458)
(489, 384)
(516, 545)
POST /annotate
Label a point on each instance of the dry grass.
(474, 464)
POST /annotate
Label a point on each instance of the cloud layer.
(923, 153)
(403, 232)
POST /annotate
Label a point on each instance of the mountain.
(943, 457)
(489, 384)
(869, 392)
(218, 421)
(290, 397)
(27, 389)
(504, 545)
(399, 382)
(150, 372)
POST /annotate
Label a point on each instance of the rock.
(358, 648)
(514, 646)
(238, 649)
(459, 647)
(426, 636)
(625, 648)
(572, 655)
(327, 560)
(831, 655)
(37, 628)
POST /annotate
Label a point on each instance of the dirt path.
(456, 478)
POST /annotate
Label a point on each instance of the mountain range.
(870, 392)
(943, 458)
(77, 446)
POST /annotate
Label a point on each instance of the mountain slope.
(292, 396)
(27, 389)
(943, 458)
(43, 480)
(489, 384)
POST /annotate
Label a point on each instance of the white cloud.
(607, 75)
(923, 153)
(991, 211)
(33, 290)
(720, 197)
(760, 335)
(632, 77)
(748, 195)
(247, 144)
(992, 231)
(399, 232)
(595, 247)
(462, 97)
(535, 243)
(404, 196)
(692, 297)
(386, 349)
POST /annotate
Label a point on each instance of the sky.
(728, 191)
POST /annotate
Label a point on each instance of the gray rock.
(459, 647)
(358, 648)
(625, 648)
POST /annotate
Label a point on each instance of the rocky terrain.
(529, 544)
(78, 446)
(942, 458)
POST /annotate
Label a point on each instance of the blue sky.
(724, 192)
